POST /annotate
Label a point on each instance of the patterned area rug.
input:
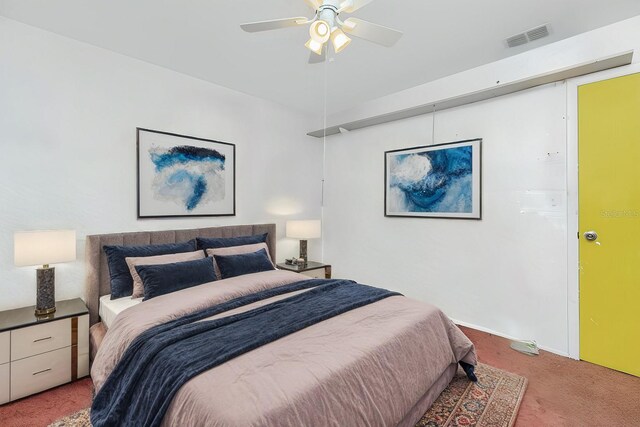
(78, 419)
(491, 402)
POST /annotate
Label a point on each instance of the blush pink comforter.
(366, 367)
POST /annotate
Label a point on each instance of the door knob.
(591, 235)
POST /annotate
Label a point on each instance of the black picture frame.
(158, 199)
(399, 203)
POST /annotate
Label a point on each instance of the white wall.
(68, 114)
(509, 272)
(506, 272)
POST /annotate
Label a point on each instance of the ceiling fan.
(326, 25)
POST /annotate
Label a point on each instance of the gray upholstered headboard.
(97, 280)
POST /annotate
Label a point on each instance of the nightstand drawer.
(4, 347)
(4, 383)
(39, 339)
(40, 372)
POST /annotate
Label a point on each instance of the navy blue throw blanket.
(163, 358)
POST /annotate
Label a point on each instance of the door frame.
(573, 245)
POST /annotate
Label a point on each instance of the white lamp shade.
(314, 46)
(339, 40)
(320, 31)
(308, 229)
(44, 247)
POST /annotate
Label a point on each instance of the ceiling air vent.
(538, 33)
(517, 40)
(528, 36)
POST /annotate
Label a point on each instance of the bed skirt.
(427, 399)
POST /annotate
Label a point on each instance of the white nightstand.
(40, 353)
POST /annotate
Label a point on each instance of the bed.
(381, 364)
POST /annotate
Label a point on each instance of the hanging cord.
(324, 123)
(324, 145)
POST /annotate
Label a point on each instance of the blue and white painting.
(184, 176)
(189, 176)
(435, 181)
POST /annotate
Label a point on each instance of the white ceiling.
(203, 39)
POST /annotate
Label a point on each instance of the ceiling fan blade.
(314, 4)
(373, 32)
(318, 59)
(351, 6)
(276, 24)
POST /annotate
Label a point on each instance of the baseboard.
(492, 332)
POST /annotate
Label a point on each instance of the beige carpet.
(492, 401)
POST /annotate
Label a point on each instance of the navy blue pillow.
(226, 242)
(121, 280)
(237, 265)
(166, 278)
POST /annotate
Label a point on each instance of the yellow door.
(609, 205)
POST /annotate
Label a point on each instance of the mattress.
(109, 309)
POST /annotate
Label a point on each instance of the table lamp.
(44, 248)
(303, 230)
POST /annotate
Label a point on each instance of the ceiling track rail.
(613, 61)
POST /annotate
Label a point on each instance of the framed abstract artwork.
(184, 176)
(434, 181)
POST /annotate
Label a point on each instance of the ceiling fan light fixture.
(314, 46)
(340, 40)
(326, 25)
(320, 31)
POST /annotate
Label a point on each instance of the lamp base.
(303, 251)
(45, 312)
(45, 291)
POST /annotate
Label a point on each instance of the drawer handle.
(42, 339)
(41, 372)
